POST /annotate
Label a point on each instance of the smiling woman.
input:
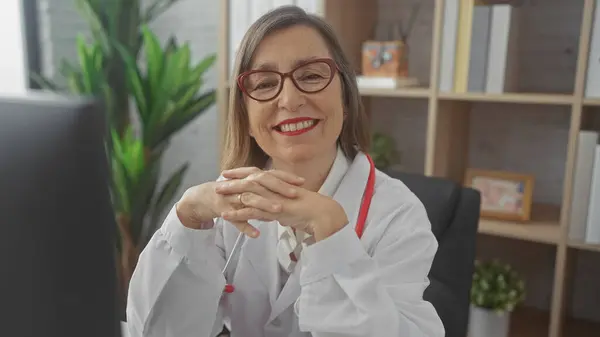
(336, 248)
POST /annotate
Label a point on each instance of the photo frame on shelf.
(504, 195)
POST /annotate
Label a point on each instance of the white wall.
(13, 61)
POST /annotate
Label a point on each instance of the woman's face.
(294, 126)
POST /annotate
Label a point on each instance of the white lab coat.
(342, 286)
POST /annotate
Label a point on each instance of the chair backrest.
(454, 214)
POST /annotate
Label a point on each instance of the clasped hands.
(249, 193)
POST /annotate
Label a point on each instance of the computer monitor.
(57, 233)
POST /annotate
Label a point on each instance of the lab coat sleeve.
(176, 288)
(347, 292)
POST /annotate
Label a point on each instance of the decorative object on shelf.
(165, 91)
(496, 290)
(385, 61)
(504, 195)
(383, 151)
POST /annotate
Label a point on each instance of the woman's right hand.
(200, 204)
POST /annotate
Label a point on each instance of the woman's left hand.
(309, 211)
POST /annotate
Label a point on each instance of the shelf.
(403, 92)
(544, 226)
(525, 98)
(531, 322)
(584, 246)
(592, 101)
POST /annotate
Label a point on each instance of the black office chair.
(454, 214)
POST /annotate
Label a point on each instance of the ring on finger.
(240, 199)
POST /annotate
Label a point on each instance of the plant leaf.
(177, 121)
(165, 197)
(92, 17)
(134, 80)
(141, 198)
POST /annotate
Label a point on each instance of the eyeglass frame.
(330, 62)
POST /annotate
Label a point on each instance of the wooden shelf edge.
(526, 98)
(584, 246)
(543, 228)
(591, 101)
(401, 92)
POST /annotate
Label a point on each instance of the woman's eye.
(264, 85)
(310, 77)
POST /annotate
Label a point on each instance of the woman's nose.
(290, 97)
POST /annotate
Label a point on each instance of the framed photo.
(504, 195)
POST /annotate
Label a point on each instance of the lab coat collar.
(262, 251)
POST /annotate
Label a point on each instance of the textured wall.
(516, 137)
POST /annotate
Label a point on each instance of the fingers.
(246, 214)
(247, 199)
(259, 202)
(240, 173)
(249, 206)
(244, 172)
(273, 183)
(289, 178)
(262, 183)
(246, 228)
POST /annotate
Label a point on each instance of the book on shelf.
(592, 84)
(582, 182)
(592, 234)
(584, 219)
(479, 47)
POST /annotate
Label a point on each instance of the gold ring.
(240, 199)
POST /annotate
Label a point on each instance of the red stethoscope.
(360, 222)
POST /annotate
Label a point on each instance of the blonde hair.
(240, 149)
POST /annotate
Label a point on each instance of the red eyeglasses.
(309, 77)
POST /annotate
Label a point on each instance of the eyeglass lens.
(311, 77)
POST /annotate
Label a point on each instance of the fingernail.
(254, 233)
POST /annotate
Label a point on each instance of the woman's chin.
(301, 153)
(298, 153)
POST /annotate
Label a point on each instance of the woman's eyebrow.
(272, 66)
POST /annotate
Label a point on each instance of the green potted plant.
(497, 289)
(383, 151)
(164, 89)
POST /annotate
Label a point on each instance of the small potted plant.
(383, 151)
(497, 289)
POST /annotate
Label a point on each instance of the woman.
(296, 173)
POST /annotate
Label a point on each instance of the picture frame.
(504, 195)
